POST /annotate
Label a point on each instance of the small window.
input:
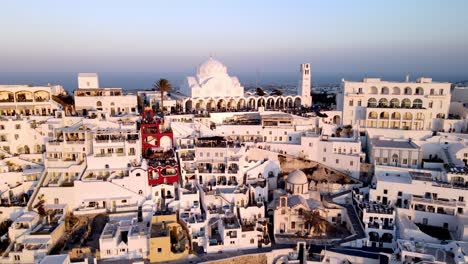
(124, 201)
(385, 191)
(18, 126)
(138, 174)
(159, 250)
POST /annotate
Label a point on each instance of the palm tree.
(259, 91)
(277, 92)
(162, 86)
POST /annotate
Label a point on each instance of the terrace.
(376, 208)
(420, 176)
(216, 142)
(231, 222)
(439, 201)
(162, 158)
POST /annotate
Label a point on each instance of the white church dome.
(212, 67)
(297, 177)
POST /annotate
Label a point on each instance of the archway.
(374, 236)
(231, 104)
(221, 105)
(372, 102)
(261, 102)
(297, 102)
(337, 120)
(289, 102)
(270, 103)
(188, 106)
(279, 103)
(241, 104)
(165, 142)
(387, 238)
(210, 106)
(251, 103)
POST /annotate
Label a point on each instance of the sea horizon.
(144, 80)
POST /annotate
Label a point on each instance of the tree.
(277, 92)
(316, 224)
(162, 86)
(259, 92)
(338, 131)
(348, 130)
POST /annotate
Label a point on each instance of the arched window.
(431, 92)
(384, 115)
(396, 115)
(395, 158)
(372, 102)
(383, 102)
(419, 91)
(384, 90)
(373, 90)
(417, 103)
(394, 103)
(373, 115)
(407, 116)
(396, 90)
(408, 91)
(98, 103)
(406, 103)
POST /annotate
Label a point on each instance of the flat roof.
(383, 143)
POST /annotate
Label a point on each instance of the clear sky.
(424, 36)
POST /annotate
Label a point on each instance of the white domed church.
(212, 89)
(212, 80)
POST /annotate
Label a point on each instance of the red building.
(157, 149)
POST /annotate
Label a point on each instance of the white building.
(395, 152)
(29, 100)
(90, 97)
(374, 103)
(124, 239)
(213, 90)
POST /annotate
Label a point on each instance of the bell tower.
(303, 89)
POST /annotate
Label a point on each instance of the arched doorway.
(221, 105)
(188, 106)
(279, 103)
(261, 102)
(270, 103)
(337, 120)
(297, 102)
(251, 103)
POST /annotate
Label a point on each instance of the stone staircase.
(355, 222)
